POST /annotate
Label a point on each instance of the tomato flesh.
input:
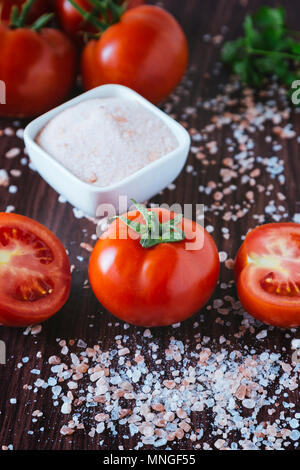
(267, 271)
(34, 271)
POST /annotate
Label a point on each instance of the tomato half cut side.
(158, 285)
(35, 276)
(267, 271)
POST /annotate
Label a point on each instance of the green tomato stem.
(87, 16)
(24, 12)
(152, 232)
(18, 18)
(100, 7)
(41, 22)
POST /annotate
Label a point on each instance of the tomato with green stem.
(37, 64)
(145, 49)
(38, 8)
(267, 272)
(35, 274)
(153, 267)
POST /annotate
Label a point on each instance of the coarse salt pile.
(128, 392)
(104, 140)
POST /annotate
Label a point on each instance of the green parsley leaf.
(266, 49)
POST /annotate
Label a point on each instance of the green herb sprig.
(267, 48)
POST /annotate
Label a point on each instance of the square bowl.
(140, 186)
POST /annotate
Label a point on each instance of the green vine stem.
(101, 8)
(153, 232)
(19, 17)
(42, 21)
(262, 52)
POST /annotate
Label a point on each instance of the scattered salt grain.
(12, 189)
(248, 403)
(262, 334)
(66, 408)
(4, 178)
(12, 153)
(222, 256)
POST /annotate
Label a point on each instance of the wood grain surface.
(82, 316)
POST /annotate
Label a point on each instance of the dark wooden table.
(82, 316)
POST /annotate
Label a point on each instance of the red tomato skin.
(153, 287)
(38, 8)
(38, 69)
(276, 311)
(146, 51)
(72, 22)
(19, 314)
(135, 3)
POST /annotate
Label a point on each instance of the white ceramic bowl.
(141, 185)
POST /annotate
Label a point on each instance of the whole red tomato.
(267, 272)
(71, 20)
(37, 9)
(146, 51)
(157, 285)
(35, 277)
(38, 69)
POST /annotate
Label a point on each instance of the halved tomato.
(35, 274)
(267, 272)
